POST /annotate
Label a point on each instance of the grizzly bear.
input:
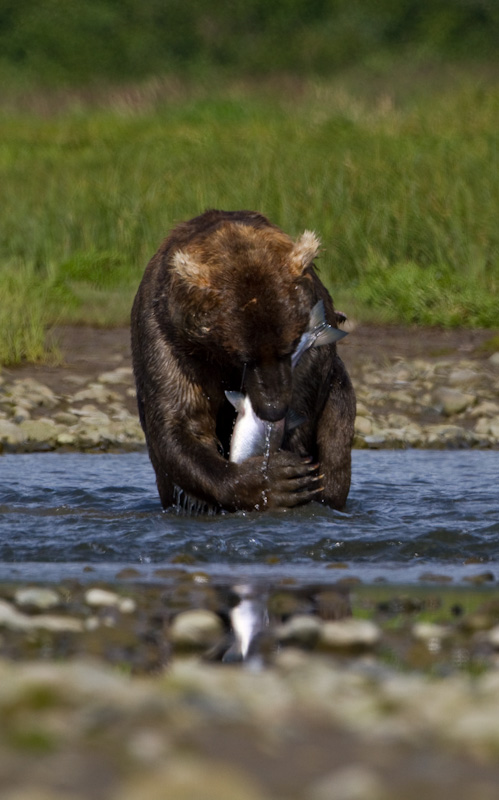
(222, 306)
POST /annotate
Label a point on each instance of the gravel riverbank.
(364, 693)
(415, 388)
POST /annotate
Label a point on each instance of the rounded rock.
(453, 401)
(355, 782)
(363, 426)
(349, 634)
(66, 439)
(375, 440)
(302, 629)
(31, 392)
(429, 631)
(196, 628)
(119, 375)
(103, 597)
(463, 376)
(37, 597)
(20, 413)
(39, 431)
(192, 779)
(15, 620)
(10, 433)
(96, 392)
(493, 637)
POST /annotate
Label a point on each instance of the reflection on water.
(409, 512)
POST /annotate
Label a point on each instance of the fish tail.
(317, 316)
(328, 335)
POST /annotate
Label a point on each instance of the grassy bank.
(404, 195)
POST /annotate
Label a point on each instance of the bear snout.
(271, 411)
(269, 389)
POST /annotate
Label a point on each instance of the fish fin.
(294, 420)
(329, 335)
(317, 316)
(236, 399)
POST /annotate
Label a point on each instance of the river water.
(412, 515)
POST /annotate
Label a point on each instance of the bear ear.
(304, 251)
(191, 271)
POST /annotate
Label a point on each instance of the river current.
(412, 515)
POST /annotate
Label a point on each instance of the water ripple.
(407, 510)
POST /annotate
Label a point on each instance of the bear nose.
(269, 385)
(272, 412)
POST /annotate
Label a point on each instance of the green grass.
(404, 195)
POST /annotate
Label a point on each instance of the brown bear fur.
(222, 305)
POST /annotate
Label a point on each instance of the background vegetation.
(121, 118)
(68, 41)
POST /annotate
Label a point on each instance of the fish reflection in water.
(250, 619)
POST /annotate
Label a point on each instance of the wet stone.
(66, 438)
(31, 391)
(349, 634)
(485, 408)
(193, 779)
(450, 436)
(39, 431)
(96, 392)
(463, 377)
(197, 628)
(493, 637)
(65, 418)
(453, 401)
(10, 433)
(119, 375)
(363, 425)
(20, 413)
(38, 597)
(355, 782)
(11, 618)
(482, 577)
(429, 631)
(375, 440)
(302, 630)
(103, 597)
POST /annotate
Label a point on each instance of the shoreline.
(415, 388)
(118, 693)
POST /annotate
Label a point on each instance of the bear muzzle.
(269, 389)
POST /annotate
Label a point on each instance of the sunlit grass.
(404, 197)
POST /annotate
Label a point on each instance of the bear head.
(242, 297)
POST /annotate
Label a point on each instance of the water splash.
(268, 439)
(186, 505)
(266, 458)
